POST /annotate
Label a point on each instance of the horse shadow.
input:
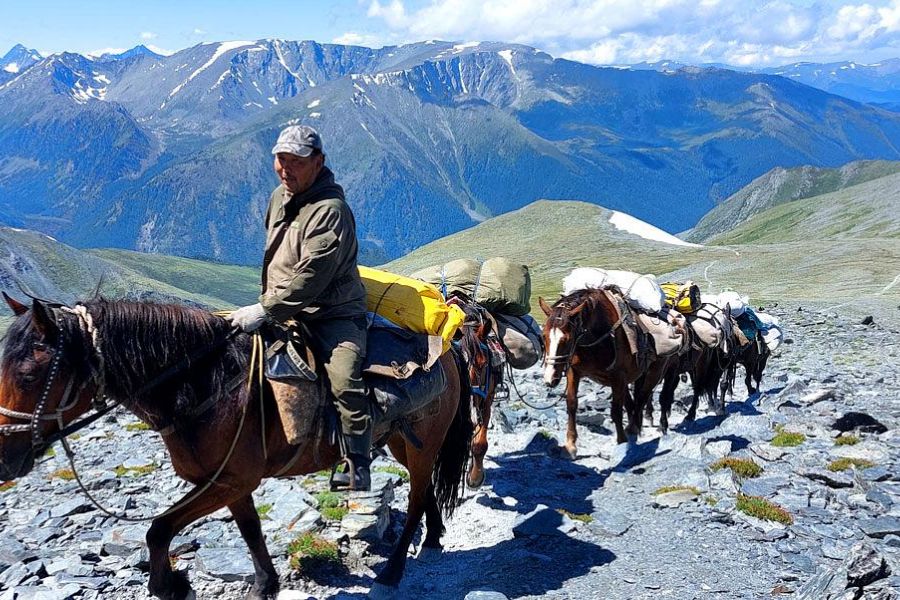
(542, 564)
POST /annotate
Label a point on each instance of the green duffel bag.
(498, 284)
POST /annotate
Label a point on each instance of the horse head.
(45, 383)
(561, 333)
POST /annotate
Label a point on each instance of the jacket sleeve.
(320, 258)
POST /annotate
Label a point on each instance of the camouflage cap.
(298, 139)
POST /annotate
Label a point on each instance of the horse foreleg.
(620, 398)
(434, 524)
(265, 587)
(572, 381)
(475, 477)
(164, 582)
(666, 397)
(419, 465)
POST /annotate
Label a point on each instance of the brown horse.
(585, 337)
(184, 372)
(484, 375)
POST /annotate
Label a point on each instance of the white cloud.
(148, 35)
(352, 38)
(198, 31)
(158, 50)
(102, 51)
(756, 32)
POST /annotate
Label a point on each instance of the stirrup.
(350, 472)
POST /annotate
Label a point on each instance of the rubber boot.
(356, 476)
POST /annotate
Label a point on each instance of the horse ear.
(544, 306)
(17, 307)
(43, 320)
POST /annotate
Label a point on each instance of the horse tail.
(453, 457)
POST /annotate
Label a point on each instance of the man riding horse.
(310, 276)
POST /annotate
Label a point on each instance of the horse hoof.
(379, 591)
(429, 555)
(571, 452)
(475, 482)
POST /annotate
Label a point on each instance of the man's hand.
(248, 318)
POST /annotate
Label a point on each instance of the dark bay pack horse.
(705, 366)
(184, 372)
(585, 337)
(484, 375)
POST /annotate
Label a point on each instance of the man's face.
(297, 174)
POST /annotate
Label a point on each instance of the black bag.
(284, 356)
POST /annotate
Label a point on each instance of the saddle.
(401, 371)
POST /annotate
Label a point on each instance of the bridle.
(101, 407)
(581, 331)
(68, 400)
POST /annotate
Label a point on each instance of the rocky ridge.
(653, 520)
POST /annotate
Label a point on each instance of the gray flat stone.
(485, 595)
(865, 566)
(13, 551)
(227, 564)
(880, 527)
(70, 507)
(674, 499)
(610, 523)
(829, 478)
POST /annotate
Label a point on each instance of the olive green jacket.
(309, 266)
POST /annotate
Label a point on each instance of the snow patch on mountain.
(625, 222)
(11, 68)
(222, 49)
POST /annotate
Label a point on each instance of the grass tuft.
(263, 511)
(744, 468)
(139, 426)
(7, 485)
(585, 518)
(710, 500)
(844, 464)
(332, 505)
(399, 471)
(123, 471)
(761, 508)
(787, 439)
(846, 440)
(50, 452)
(64, 474)
(675, 488)
(310, 552)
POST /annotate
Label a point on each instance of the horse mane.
(146, 342)
(594, 299)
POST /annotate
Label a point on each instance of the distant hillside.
(779, 186)
(554, 237)
(37, 264)
(869, 210)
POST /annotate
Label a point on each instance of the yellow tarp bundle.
(411, 304)
(683, 297)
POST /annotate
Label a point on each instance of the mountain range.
(170, 154)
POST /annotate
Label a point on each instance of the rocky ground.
(543, 525)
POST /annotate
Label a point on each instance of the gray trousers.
(340, 344)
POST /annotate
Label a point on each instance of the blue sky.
(748, 32)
